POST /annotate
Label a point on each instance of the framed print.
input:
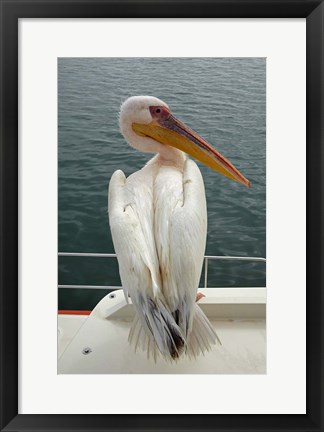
(248, 79)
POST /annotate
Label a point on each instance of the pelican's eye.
(159, 112)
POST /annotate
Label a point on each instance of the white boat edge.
(238, 314)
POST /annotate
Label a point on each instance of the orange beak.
(168, 130)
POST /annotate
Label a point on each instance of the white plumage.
(158, 221)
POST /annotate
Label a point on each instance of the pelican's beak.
(168, 130)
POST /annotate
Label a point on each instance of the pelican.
(158, 222)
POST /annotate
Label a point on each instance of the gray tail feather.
(154, 330)
(157, 332)
(202, 335)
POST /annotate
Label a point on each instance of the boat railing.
(207, 258)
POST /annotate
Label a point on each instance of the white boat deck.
(98, 343)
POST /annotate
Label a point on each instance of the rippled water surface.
(223, 99)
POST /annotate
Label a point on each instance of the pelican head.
(148, 124)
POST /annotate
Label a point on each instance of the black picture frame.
(11, 12)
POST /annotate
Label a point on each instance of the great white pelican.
(158, 221)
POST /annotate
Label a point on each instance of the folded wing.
(154, 327)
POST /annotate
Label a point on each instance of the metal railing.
(111, 255)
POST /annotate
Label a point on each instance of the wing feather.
(129, 210)
(181, 229)
(138, 269)
(188, 241)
